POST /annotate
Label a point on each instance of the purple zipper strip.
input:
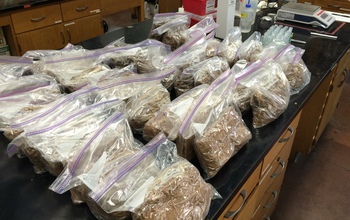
(66, 99)
(210, 89)
(138, 80)
(19, 91)
(77, 161)
(298, 55)
(282, 51)
(69, 118)
(99, 194)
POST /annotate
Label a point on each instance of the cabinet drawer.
(344, 61)
(269, 200)
(79, 8)
(249, 208)
(36, 18)
(240, 198)
(276, 170)
(286, 136)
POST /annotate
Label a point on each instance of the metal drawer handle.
(267, 218)
(82, 8)
(333, 6)
(63, 38)
(283, 164)
(38, 19)
(345, 74)
(267, 205)
(231, 214)
(69, 36)
(344, 9)
(291, 129)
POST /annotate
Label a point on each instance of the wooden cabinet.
(258, 196)
(36, 18)
(342, 6)
(319, 108)
(169, 5)
(79, 8)
(51, 37)
(54, 26)
(83, 29)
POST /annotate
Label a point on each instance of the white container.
(225, 15)
(247, 16)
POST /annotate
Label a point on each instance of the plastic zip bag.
(15, 60)
(229, 46)
(270, 90)
(13, 71)
(143, 106)
(128, 86)
(38, 54)
(106, 144)
(250, 48)
(205, 110)
(170, 117)
(56, 109)
(50, 145)
(204, 72)
(221, 140)
(147, 55)
(294, 67)
(191, 53)
(154, 170)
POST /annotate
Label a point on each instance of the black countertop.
(26, 195)
(12, 5)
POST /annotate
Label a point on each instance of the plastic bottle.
(247, 15)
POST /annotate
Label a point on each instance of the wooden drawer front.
(344, 61)
(83, 29)
(286, 136)
(36, 18)
(249, 208)
(335, 5)
(79, 8)
(240, 199)
(276, 170)
(51, 37)
(269, 200)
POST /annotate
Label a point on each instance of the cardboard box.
(2, 38)
(199, 7)
(5, 50)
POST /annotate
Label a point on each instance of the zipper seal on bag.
(19, 91)
(285, 48)
(15, 59)
(144, 78)
(69, 118)
(127, 167)
(298, 54)
(251, 68)
(13, 148)
(66, 99)
(213, 86)
(58, 186)
(185, 46)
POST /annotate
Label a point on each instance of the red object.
(199, 7)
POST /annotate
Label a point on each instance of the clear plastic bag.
(270, 90)
(112, 141)
(145, 105)
(189, 54)
(154, 170)
(212, 47)
(148, 56)
(52, 143)
(169, 28)
(56, 109)
(250, 48)
(206, 109)
(13, 71)
(71, 69)
(221, 140)
(204, 72)
(170, 117)
(15, 60)
(128, 86)
(38, 54)
(294, 67)
(22, 101)
(230, 45)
